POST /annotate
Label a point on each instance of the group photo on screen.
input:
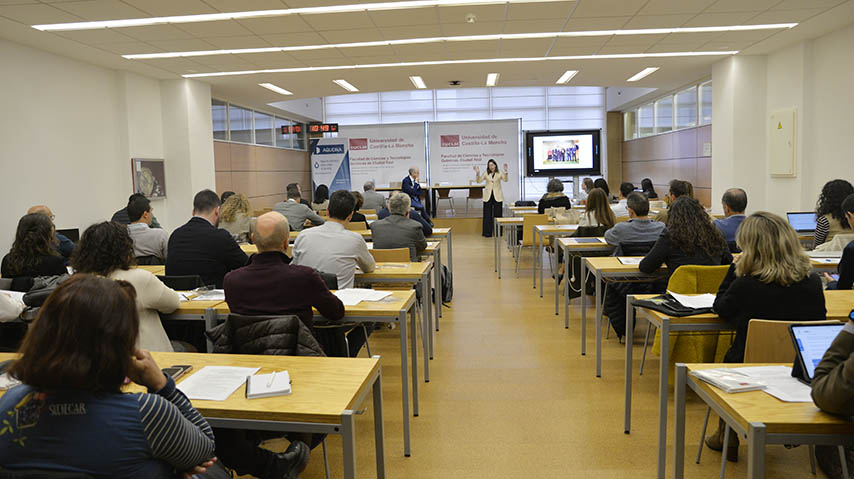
(565, 151)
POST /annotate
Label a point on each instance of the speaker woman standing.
(493, 198)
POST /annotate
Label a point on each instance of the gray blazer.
(297, 213)
(373, 201)
(399, 232)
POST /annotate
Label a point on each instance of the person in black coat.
(200, 248)
(33, 253)
(690, 238)
(845, 270)
(554, 197)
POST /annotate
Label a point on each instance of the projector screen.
(562, 153)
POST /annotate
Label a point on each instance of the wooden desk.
(757, 416)
(434, 250)
(446, 233)
(249, 249)
(571, 246)
(154, 269)
(838, 304)
(524, 211)
(539, 233)
(498, 233)
(825, 265)
(366, 234)
(435, 189)
(517, 208)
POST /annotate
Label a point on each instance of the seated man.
(412, 188)
(846, 262)
(299, 188)
(734, 202)
(678, 189)
(147, 242)
(330, 248)
(63, 244)
(414, 215)
(638, 229)
(397, 230)
(199, 247)
(121, 216)
(620, 208)
(295, 211)
(373, 200)
(833, 391)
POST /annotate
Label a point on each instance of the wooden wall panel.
(242, 157)
(223, 182)
(685, 143)
(222, 156)
(704, 172)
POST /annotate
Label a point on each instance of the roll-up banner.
(330, 163)
(457, 147)
(384, 153)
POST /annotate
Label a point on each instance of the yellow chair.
(528, 223)
(395, 255)
(368, 212)
(357, 226)
(694, 346)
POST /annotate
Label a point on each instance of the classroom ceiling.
(105, 46)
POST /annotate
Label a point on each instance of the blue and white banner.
(330, 163)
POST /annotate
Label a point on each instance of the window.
(299, 138)
(283, 140)
(706, 103)
(646, 122)
(630, 130)
(686, 108)
(664, 115)
(263, 129)
(219, 115)
(240, 124)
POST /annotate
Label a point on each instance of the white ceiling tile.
(748, 36)
(723, 46)
(94, 37)
(484, 13)
(715, 19)
(336, 21)
(370, 60)
(245, 5)
(672, 7)
(479, 28)
(423, 52)
(689, 38)
(101, 9)
(225, 28)
(784, 16)
(330, 53)
(643, 41)
(19, 2)
(128, 48)
(37, 14)
(327, 62)
(797, 4)
(156, 32)
(741, 5)
(568, 50)
(171, 7)
(177, 65)
(528, 26)
(597, 23)
(352, 36)
(245, 41)
(612, 50)
(535, 11)
(368, 52)
(188, 45)
(294, 39)
(582, 41)
(231, 62)
(276, 25)
(469, 54)
(675, 47)
(607, 8)
(657, 21)
(268, 60)
(313, 3)
(535, 46)
(414, 31)
(482, 46)
(397, 18)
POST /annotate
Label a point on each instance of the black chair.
(524, 203)
(634, 248)
(72, 233)
(182, 283)
(185, 336)
(149, 261)
(41, 474)
(331, 333)
(733, 247)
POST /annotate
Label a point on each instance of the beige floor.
(511, 396)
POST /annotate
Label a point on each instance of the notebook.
(811, 341)
(728, 379)
(802, 222)
(277, 383)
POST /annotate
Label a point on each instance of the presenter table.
(757, 416)
(572, 246)
(435, 189)
(498, 235)
(539, 235)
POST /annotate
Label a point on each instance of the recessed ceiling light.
(464, 38)
(418, 82)
(345, 85)
(275, 88)
(212, 17)
(567, 76)
(492, 79)
(611, 56)
(643, 73)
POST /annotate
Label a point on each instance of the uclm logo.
(450, 140)
(358, 143)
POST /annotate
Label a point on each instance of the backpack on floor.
(447, 285)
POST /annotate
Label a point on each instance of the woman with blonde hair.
(235, 217)
(598, 211)
(771, 280)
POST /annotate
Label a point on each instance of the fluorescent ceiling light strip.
(643, 73)
(345, 85)
(465, 38)
(275, 88)
(418, 82)
(567, 76)
(492, 79)
(613, 56)
(212, 17)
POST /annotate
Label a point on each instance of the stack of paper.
(215, 383)
(728, 379)
(354, 296)
(277, 383)
(212, 295)
(630, 259)
(698, 301)
(779, 382)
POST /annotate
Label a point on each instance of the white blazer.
(493, 185)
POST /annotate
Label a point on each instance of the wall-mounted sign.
(323, 127)
(295, 129)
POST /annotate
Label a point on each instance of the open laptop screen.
(812, 341)
(802, 221)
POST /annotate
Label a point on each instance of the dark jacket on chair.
(201, 248)
(273, 335)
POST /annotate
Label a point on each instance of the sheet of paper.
(354, 296)
(215, 383)
(212, 295)
(184, 295)
(630, 259)
(779, 382)
(824, 254)
(694, 301)
(432, 244)
(826, 260)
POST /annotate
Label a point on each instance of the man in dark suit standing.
(412, 188)
(398, 231)
(199, 247)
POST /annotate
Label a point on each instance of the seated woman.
(648, 189)
(830, 217)
(772, 279)
(106, 249)
(603, 185)
(235, 217)
(597, 211)
(586, 186)
(320, 201)
(33, 253)
(71, 413)
(554, 197)
(360, 200)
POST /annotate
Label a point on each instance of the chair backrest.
(768, 341)
(71, 233)
(590, 231)
(149, 261)
(444, 193)
(396, 255)
(331, 280)
(182, 283)
(357, 226)
(368, 211)
(634, 248)
(528, 223)
(475, 193)
(695, 279)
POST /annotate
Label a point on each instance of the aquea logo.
(450, 140)
(358, 143)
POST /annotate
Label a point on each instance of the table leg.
(413, 344)
(583, 307)
(679, 422)
(450, 254)
(755, 450)
(554, 260)
(404, 382)
(498, 241)
(565, 288)
(494, 244)
(437, 270)
(598, 326)
(630, 328)
(427, 302)
(379, 430)
(536, 239)
(210, 323)
(663, 374)
(348, 442)
(427, 358)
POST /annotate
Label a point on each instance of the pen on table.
(272, 378)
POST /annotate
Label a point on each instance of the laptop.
(802, 222)
(811, 342)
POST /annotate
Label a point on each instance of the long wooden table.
(758, 416)
(573, 246)
(539, 234)
(838, 304)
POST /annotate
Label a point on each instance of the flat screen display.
(802, 221)
(812, 342)
(562, 153)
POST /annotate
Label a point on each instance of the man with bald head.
(63, 244)
(270, 285)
